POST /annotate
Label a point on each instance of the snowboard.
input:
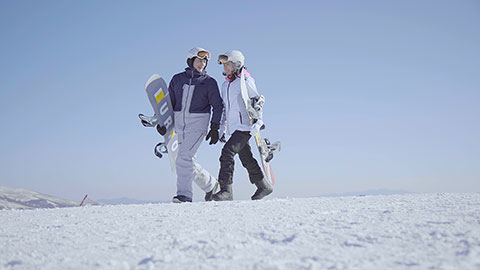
(163, 120)
(265, 148)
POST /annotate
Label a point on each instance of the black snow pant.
(238, 144)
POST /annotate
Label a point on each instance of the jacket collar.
(193, 73)
(234, 75)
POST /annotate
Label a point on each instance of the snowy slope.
(412, 231)
(15, 198)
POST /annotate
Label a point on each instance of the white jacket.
(235, 115)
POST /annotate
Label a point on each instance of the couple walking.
(197, 102)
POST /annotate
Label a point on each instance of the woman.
(238, 126)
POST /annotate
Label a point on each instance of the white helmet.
(197, 52)
(234, 56)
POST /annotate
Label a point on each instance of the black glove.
(161, 129)
(213, 134)
(223, 139)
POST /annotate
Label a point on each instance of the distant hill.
(16, 198)
(369, 192)
(118, 201)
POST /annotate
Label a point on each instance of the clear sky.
(362, 94)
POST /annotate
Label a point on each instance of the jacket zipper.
(228, 111)
(201, 135)
(228, 95)
(185, 109)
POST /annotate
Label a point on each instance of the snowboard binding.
(255, 109)
(160, 149)
(151, 121)
(268, 149)
(148, 121)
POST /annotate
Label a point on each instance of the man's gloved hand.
(213, 134)
(256, 127)
(161, 129)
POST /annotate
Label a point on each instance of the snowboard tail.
(266, 157)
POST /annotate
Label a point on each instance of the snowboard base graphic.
(163, 120)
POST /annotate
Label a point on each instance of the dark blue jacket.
(205, 95)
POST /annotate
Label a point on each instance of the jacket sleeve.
(215, 101)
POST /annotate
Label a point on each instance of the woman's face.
(228, 68)
(199, 64)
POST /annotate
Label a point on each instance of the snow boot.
(263, 189)
(225, 193)
(181, 199)
(209, 195)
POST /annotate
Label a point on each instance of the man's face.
(228, 68)
(199, 64)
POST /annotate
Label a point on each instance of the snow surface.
(17, 198)
(411, 231)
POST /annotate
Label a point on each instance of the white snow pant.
(188, 169)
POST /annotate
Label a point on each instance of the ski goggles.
(222, 59)
(203, 55)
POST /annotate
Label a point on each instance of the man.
(194, 95)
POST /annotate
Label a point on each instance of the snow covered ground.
(411, 231)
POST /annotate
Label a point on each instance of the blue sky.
(362, 94)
